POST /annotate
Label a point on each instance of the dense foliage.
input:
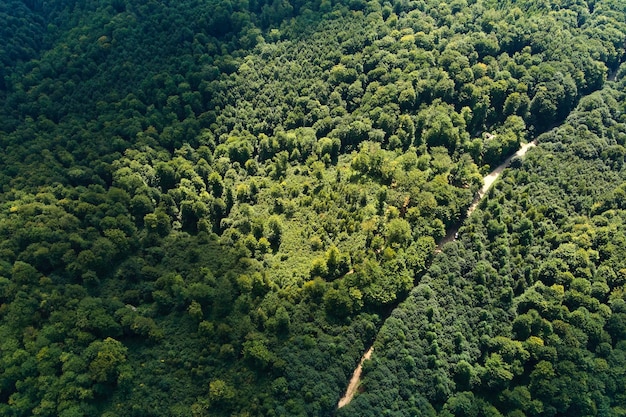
(209, 208)
(525, 313)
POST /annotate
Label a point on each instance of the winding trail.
(493, 175)
(488, 181)
(354, 381)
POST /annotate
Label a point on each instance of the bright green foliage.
(106, 358)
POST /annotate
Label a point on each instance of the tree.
(398, 232)
(439, 125)
(337, 302)
(220, 392)
(105, 360)
(496, 373)
(337, 264)
(274, 231)
(258, 354)
(24, 274)
(543, 107)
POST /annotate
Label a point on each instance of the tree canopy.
(211, 208)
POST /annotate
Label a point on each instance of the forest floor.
(451, 235)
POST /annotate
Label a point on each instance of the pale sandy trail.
(493, 175)
(355, 380)
(488, 181)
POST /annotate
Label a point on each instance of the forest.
(213, 208)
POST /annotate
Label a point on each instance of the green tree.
(105, 360)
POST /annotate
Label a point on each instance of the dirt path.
(488, 181)
(353, 386)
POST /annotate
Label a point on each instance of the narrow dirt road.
(488, 181)
(355, 380)
(493, 175)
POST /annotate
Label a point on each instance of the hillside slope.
(211, 207)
